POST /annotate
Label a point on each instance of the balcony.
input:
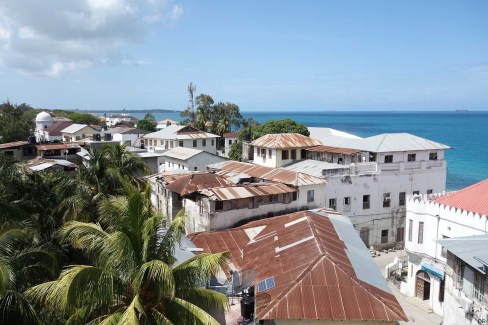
(412, 165)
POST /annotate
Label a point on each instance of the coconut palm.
(23, 263)
(134, 277)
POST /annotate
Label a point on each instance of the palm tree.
(134, 277)
(23, 263)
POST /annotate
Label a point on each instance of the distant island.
(130, 111)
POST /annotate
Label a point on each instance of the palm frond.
(15, 309)
(207, 299)
(172, 236)
(132, 313)
(7, 276)
(159, 318)
(152, 232)
(197, 270)
(112, 319)
(118, 255)
(154, 281)
(184, 312)
(88, 237)
(11, 239)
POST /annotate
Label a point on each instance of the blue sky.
(261, 55)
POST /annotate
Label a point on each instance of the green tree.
(84, 118)
(150, 117)
(276, 126)
(133, 277)
(224, 116)
(235, 152)
(204, 109)
(16, 122)
(146, 125)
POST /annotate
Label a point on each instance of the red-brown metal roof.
(55, 129)
(190, 183)
(473, 198)
(285, 140)
(246, 191)
(60, 146)
(313, 275)
(230, 169)
(344, 151)
(13, 144)
(232, 134)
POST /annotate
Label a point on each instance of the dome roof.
(43, 117)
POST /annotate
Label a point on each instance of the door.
(422, 285)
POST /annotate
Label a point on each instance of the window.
(270, 153)
(263, 153)
(384, 236)
(388, 159)
(421, 233)
(212, 142)
(430, 191)
(275, 198)
(459, 273)
(400, 234)
(194, 143)
(433, 156)
(293, 154)
(416, 192)
(365, 201)
(444, 250)
(204, 142)
(284, 155)
(230, 142)
(333, 203)
(401, 198)
(310, 197)
(219, 205)
(479, 287)
(194, 168)
(180, 143)
(386, 200)
(347, 200)
(411, 157)
(364, 234)
(441, 290)
(410, 230)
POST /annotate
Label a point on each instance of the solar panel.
(266, 284)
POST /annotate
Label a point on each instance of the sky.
(262, 55)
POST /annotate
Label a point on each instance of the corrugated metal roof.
(182, 153)
(232, 134)
(37, 164)
(314, 167)
(322, 133)
(471, 249)
(473, 198)
(190, 183)
(231, 169)
(314, 263)
(285, 140)
(179, 132)
(43, 147)
(55, 129)
(73, 128)
(246, 191)
(344, 151)
(13, 144)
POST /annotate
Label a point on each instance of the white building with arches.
(435, 217)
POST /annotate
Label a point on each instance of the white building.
(311, 268)
(53, 132)
(164, 123)
(370, 178)
(43, 121)
(120, 118)
(175, 136)
(435, 217)
(76, 132)
(131, 137)
(276, 150)
(466, 290)
(189, 159)
(229, 139)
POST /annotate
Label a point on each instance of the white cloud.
(51, 37)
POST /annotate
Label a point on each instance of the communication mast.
(191, 102)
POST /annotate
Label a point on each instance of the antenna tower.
(191, 102)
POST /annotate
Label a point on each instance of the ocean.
(466, 132)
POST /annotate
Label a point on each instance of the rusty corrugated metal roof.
(230, 169)
(13, 144)
(60, 146)
(473, 198)
(246, 191)
(285, 140)
(190, 183)
(344, 151)
(314, 274)
(233, 134)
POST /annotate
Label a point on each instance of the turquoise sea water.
(466, 132)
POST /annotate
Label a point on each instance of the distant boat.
(462, 110)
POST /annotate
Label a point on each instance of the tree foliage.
(146, 125)
(235, 152)
(16, 122)
(276, 126)
(84, 118)
(216, 118)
